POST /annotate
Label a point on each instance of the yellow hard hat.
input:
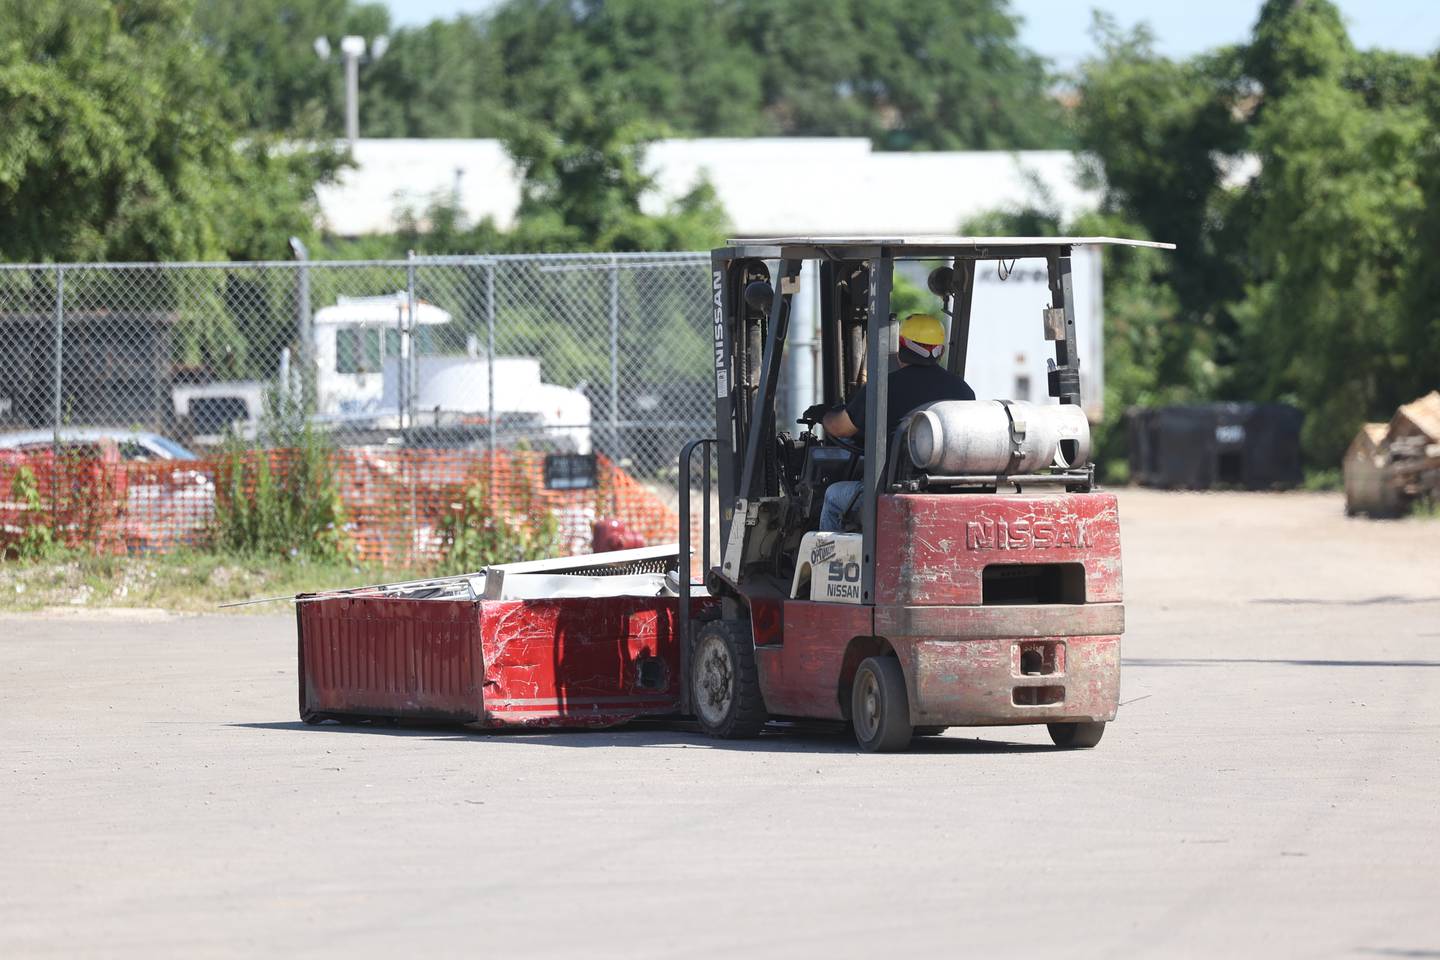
(922, 338)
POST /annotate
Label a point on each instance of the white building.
(767, 186)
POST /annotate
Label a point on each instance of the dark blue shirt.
(910, 387)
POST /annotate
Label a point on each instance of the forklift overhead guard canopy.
(919, 247)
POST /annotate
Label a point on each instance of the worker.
(920, 380)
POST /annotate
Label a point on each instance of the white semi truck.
(379, 369)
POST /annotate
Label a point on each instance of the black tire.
(725, 682)
(930, 731)
(880, 706)
(1076, 736)
(312, 718)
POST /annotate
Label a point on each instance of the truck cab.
(978, 582)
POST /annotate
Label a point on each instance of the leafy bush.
(1426, 508)
(280, 496)
(1325, 479)
(36, 540)
(476, 532)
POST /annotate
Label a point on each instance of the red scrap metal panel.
(579, 661)
(571, 662)
(383, 656)
(936, 548)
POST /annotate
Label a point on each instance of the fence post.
(303, 332)
(405, 364)
(56, 386)
(616, 451)
(491, 276)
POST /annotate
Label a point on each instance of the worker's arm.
(837, 423)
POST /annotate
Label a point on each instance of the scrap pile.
(1389, 467)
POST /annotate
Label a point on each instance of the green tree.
(909, 74)
(1295, 41)
(266, 50)
(1158, 135)
(1336, 199)
(1299, 283)
(1162, 134)
(583, 181)
(122, 141)
(675, 61)
(444, 79)
(1420, 327)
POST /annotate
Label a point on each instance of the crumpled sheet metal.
(562, 662)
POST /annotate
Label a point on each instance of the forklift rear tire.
(725, 682)
(1072, 736)
(880, 706)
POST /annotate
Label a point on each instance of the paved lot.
(1272, 787)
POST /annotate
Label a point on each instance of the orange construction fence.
(396, 505)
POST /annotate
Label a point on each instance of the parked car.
(133, 445)
(137, 488)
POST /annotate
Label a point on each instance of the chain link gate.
(428, 381)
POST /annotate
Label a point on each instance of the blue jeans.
(839, 496)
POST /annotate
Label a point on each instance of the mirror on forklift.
(942, 282)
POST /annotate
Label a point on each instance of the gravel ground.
(1270, 788)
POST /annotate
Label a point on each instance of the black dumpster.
(1251, 446)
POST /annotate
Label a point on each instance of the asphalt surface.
(1271, 788)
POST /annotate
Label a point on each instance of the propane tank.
(956, 437)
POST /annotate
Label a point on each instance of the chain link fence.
(569, 380)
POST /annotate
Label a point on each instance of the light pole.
(352, 51)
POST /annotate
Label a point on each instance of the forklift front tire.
(1071, 736)
(880, 706)
(725, 681)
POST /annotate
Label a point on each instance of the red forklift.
(977, 581)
